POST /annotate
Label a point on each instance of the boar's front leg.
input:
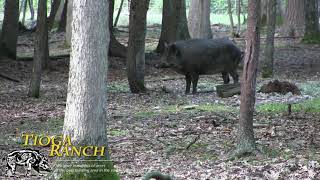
(225, 77)
(195, 78)
(188, 83)
(235, 76)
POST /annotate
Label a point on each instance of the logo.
(30, 159)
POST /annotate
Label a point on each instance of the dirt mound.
(280, 87)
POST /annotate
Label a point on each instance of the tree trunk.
(239, 15)
(85, 118)
(118, 14)
(246, 141)
(31, 9)
(69, 21)
(136, 46)
(174, 23)
(59, 13)
(267, 70)
(24, 9)
(41, 52)
(312, 32)
(264, 12)
(199, 19)
(294, 21)
(280, 11)
(9, 33)
(54, 9)
(230, 17)
(115, 47)
(63, 20)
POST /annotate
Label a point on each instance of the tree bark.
(246, 141)
(31, 9)
(199, 19)
(24, 9)
(9, 33)
(41, 52)
(136, 46)
(174, 23)
(312, 31)
(115, 47)
(264, 12)
(239, 15)
(85, 118)
(294, 21)
(63, 20)
(69, 21)
(267, 70)
(58, 15)
(53, 12)
(230, 17)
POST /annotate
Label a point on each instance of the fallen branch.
(9, 78)
(193, 141)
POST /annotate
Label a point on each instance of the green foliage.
(118, 87)
(311, 39)
(307, 106)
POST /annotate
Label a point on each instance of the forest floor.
(186, 136)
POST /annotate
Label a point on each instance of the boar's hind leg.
(195, 78)
(188, 81)
(235, 76)
(225, 77)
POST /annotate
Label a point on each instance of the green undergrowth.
(173, 109)
(118, 87)
(307, 106)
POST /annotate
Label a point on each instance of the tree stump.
(228, 90)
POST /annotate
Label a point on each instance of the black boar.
(203, 56)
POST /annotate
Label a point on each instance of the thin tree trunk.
(24, 7)
(115, 47)
(31, 9)
(267, 70)
(294, 21)
(264, 12)
(59, 13)
(246, 141)
(231, 18)
(69, 21)
(199, 19)
(174, 23)
(63, 20)
(239, 15)
(9, 33)
(136, 46)
(118, 14)
(41, 52)
(54, 9)
(312, 31)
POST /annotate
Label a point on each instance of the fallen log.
(228, 90)
(9, 78)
